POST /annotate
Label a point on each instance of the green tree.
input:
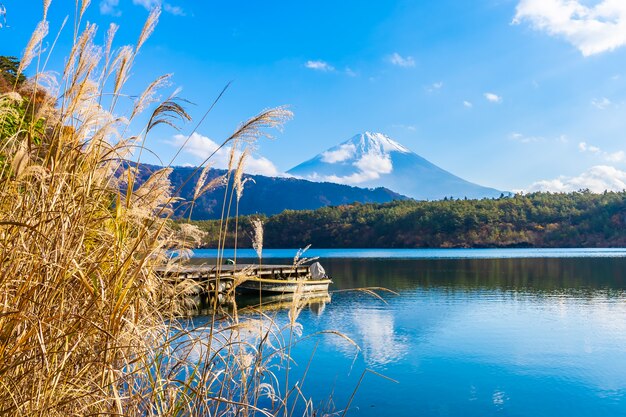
(8, 69)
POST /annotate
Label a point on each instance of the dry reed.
(87, 327)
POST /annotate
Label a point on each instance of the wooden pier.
(223, 279)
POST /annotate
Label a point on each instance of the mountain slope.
(268, 195)
(375, 160)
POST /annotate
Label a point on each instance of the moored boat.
(314, 279)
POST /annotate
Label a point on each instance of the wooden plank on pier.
(213, 272)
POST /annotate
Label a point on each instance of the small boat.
(282, 279)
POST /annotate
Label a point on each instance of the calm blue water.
(470, 333)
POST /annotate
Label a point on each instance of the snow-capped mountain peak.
(362, 144)
(375, 160)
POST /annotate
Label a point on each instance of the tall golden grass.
(86, 325)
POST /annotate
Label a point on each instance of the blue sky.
(512, 94)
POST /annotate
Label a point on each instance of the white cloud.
(468, 104)
(492, 97)
(584, 147)
(202, 147)
(592, 29)
(597, 179)
(375, 164)
(341, 154)
(617, 156)
(410, 128)
(601, 103)
(175, 10)
(400, 61)
(3, 16)
(519, 137)
(110, 7)
(319, 66)
(369, 167)
(434, 87)
(150, 4)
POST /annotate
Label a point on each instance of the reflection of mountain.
(375, 160)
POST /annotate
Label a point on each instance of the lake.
(470, 332)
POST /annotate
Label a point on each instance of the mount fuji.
(375, 160)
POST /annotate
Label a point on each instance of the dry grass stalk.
(87, 326)
(257, 237)
(298, 260)
(33, 48)
(148, 27)
(237, 182)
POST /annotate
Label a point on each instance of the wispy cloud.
(617, 156)
(584, 147)
(319, 65)
(597, 179)
(167, 7)
(110, 7)
(202, 147)
(401, 61)
(601, 103)
(435, 87)
(175, 10)
(410, 128)
(519, 137)
(148, 4)
(492, 97)
(3, 16)
(592, 29)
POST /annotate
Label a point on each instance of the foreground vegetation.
(87, 327)
(580, 219)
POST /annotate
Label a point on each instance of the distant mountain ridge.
(375, 160)
(267, 195)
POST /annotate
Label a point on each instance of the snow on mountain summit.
(375, 160)
(361, 145)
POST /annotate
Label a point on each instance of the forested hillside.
(265, 195)
(580, 219)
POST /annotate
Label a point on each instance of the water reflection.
(244, 304)
(374, 330)
(544, 275)
(314, 301)
(471, 337)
